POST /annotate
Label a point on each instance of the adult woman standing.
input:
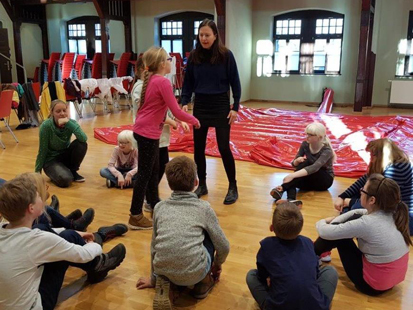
(58, 157)
(211, 72)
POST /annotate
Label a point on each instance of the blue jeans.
(2, 181)
(327, 281)
(105, 173)
(56, 219)
(54, 273)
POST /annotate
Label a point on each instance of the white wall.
(239, 39)
(392, 23)
(7, 24)
(306, 88)
(117, 37)
(145, 15)
(32, 47)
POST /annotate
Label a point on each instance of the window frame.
(90, 30)
(409, 48)
(188, 32)
(308, 35)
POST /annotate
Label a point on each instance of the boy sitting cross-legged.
(34, 262)
(186, 234)
(287, 274)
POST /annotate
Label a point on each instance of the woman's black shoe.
(232, 194)
(201, 190)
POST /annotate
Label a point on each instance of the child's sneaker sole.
(161, 300)
(139, 227)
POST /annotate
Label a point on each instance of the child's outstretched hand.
(121, 181)
(185, 126)
(216, 272)
(88, 237)
(128, 179)
(144, 282)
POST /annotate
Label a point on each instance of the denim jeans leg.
(105, 173)
(209, 246)
(58, 173)
(51, 283)
(327, 281)
(57, 219)
(258, 289)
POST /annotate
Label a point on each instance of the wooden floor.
(245, 223)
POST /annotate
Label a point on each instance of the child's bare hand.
(216, 272)
(144, 282)
(339, 204)
(185, 126)
(128, 179)
(300, 160)
(329, 219)
(121, 181)
(88, 237)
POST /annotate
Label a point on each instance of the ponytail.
(387, 194)
(144, 86)
(401, 220)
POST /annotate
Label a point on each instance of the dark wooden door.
(5, 65)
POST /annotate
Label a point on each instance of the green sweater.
(53, 141)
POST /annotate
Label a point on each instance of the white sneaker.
(147, 207)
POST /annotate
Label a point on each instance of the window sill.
(301, 74)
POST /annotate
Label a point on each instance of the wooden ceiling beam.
(221, 13)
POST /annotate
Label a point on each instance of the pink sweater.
(123, 161)
(158, 98)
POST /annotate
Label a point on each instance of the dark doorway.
(5, 65)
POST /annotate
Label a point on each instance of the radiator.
(401, 92)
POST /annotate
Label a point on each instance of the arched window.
(178, 31)
(308, 42)
(82, 31)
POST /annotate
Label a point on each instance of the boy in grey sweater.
(188, 245)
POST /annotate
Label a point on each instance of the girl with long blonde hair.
(156, 97)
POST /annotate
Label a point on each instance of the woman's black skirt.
(212, 110)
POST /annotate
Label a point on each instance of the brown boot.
(139, 222)
(202, 289)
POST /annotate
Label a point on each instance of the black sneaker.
(232, 194)
(107, 262)
(109, 183)
(110, 232)
(55, 203)
(82, 223)
(276, 194)
(74, 215)
(201, 190)
(77, 177)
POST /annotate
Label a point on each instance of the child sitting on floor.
(34, 262)
(287, 274)
(313, 166)
(123, 164)
(188, 245)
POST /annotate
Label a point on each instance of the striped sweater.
(402, 173)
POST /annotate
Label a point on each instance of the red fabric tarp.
(272, 137)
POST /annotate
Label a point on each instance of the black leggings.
(223, 137)
(163, 160)
(148, 173)
(318, 181)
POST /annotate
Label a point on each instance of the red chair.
(36, 74)
(123, 65)
(67, 65)
(51, 62)
(79, 65)
(6, 97)
(97, 66)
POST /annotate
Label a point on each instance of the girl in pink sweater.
(156, 98)
(123, 164)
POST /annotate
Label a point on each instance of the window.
(179, 31)
(405, 61)
(308, 42)
(84, 30)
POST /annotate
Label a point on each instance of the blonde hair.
(319, 130)
(127, 136)
(40, 183)
(53, 105)
(15, 196)
(152, 60)
(386, 152)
